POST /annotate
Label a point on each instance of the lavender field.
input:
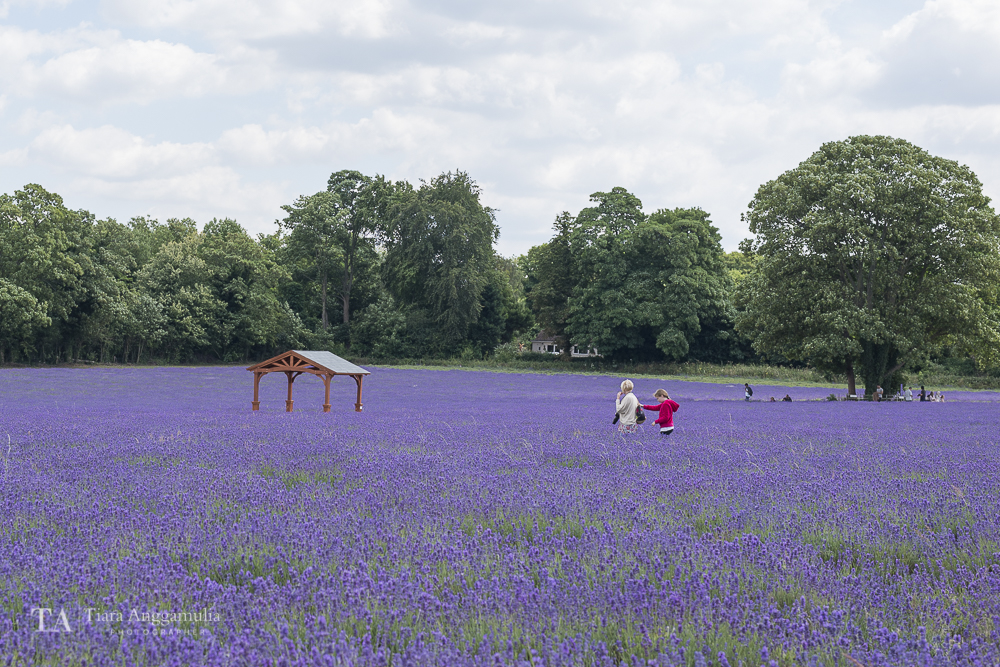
(473, 518)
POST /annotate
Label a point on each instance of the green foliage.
(738, 265)
(649, 287)
(179, 281)
(45, 253)
(380, 331)
(314, 225)
(245, 278)
(870, 254)
(21, 315)
(504, 311)
(72, 286)
(439, 252)
(634, 286)
(550, 279)
(363, 207)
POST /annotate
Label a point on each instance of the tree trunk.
(325, 321)
(345, 295)
(852, 387)
(345, 290)
(565, 352)
(879, 361)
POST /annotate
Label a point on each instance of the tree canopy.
(439, 252)
(870, 258)
(635, 286)
(868, 255)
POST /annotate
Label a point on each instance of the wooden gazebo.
(296, 362)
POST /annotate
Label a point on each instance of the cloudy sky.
(230, 108)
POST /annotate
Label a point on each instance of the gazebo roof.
(321, 359)
(331, 362)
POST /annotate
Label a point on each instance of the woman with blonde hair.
(626, 405)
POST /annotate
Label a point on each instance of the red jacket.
(667, 409)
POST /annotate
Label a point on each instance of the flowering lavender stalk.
(149, 517)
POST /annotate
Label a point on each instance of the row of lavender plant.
(478, 518)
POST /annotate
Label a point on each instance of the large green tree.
(245, 277)
(550, 279)
(180, 282)
(869, 254)
(314, 225)
(439, 253)
(21, 316)
(332, 237)
(46, 252)
(649, 286)
(362, 203)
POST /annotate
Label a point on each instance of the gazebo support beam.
(256, 390)
(357, 406)
(326, 394)
(291, 378)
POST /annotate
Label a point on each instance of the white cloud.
(838, 74)
(256, 19)
(140, 71)
(202, 193)
(475, 32)
(943, 54)
(685, 103)
(252, 144)
(99, 66)
(112, 153)
(7, 4)
(14, 157)
(162, 178)
(971, 16)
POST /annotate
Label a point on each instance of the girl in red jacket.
(667, 408)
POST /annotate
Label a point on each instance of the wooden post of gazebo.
(296, 362)
(256, 389)
(357, 406)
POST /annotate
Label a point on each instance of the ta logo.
(48, 623)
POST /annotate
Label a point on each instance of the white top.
(625, 407)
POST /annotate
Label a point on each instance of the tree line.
(376, 268)
(869, 257)
(371, 266)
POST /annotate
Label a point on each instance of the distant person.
(626, 405)
(772, 399)
(940, 397)
(786, 399)
(747, 391)
(878, 393)
(909, 394)
(923, 394)
(666, 408)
